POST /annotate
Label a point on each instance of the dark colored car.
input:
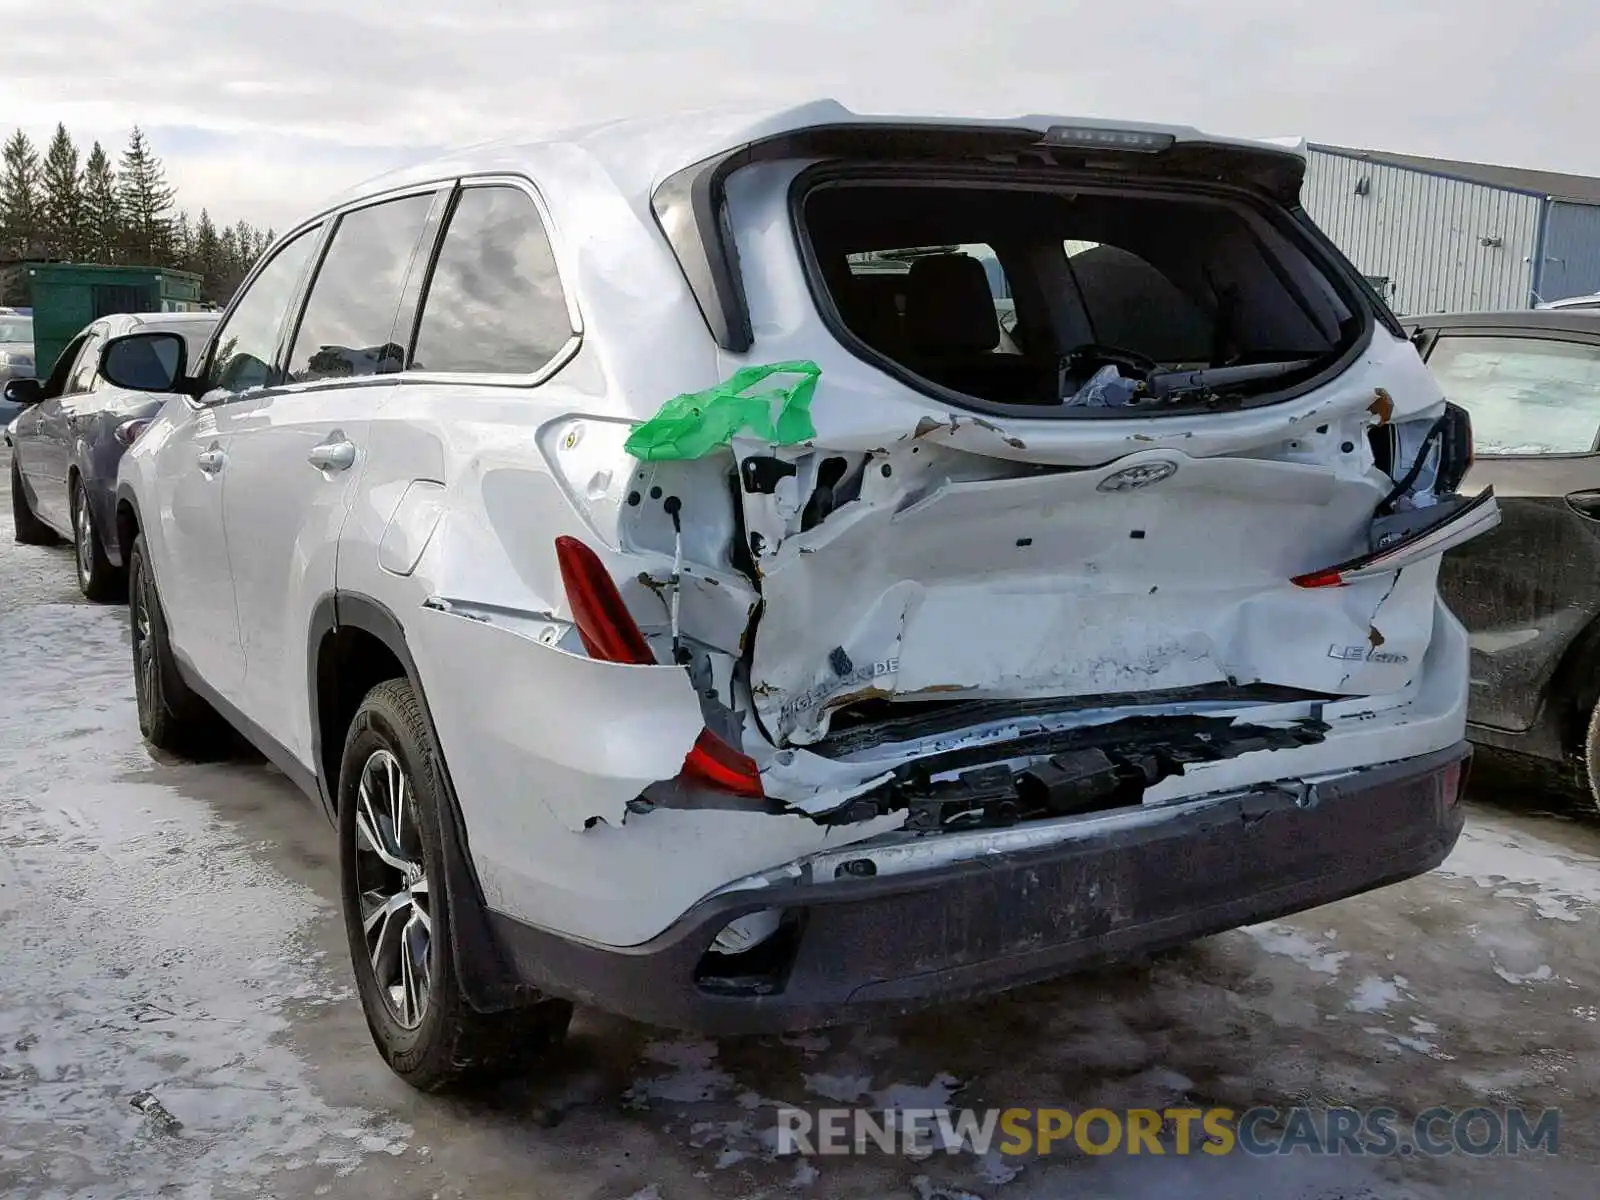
(1529, 592)
(69, 437)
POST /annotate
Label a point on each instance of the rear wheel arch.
(355, 643)
(1573, 689)
(349, 657)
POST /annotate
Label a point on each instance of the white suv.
(926, 666)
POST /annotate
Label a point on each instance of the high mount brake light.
(607, 628)
(1093, 137)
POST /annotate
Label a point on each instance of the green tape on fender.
(696, 423)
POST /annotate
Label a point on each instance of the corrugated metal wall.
(1571, 251)
(1423, 233)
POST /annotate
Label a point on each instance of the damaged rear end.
(1104, 627)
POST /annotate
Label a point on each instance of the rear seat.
(952, 331)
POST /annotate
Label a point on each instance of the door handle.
(1585, 504)
(211, 461)
(338, 453)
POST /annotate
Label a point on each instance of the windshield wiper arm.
(1162, 385)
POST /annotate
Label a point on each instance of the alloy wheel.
(144, 646)
(392, 884)
(83, 534)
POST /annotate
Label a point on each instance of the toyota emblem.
(1142, 475)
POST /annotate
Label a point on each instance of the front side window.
(1526, 395)
(494, 304)
(247, 343)
(347, 329)
(61, 370)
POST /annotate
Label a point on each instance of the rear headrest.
(949, 307)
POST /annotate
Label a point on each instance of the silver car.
(1574, 302)
(16, 357)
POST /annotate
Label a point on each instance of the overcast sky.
(261, 108)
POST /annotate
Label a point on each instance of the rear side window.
(247, 343)
(494, 304)
(1526, 395)
(348, 326)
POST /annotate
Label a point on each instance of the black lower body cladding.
(1125, 883)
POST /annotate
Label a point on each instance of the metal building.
(1437, 235)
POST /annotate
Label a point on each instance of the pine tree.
(102, 216)
(19, 196)
(146, 202)
(182, 256)
(61, 204)
(228, 254)
(208, 256)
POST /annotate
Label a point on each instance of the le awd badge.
(1366, 654)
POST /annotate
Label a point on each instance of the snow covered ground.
(176, 1017)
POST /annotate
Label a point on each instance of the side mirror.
(145, 362)
(24, 391)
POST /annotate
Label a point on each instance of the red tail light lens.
(715, 764)
(607, 628)
(610, 634)
(1319, 579)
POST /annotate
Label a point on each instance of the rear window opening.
(1087, 301)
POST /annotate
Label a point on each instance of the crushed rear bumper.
(1117, 885)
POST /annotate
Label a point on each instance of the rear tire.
(98, 579)
(397, 915)
(30, 530)
(172, 716)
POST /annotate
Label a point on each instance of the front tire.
(30, 530)
(98, 579)
(397, 916)
(172, 716)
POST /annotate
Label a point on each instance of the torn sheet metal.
(591, 734)
(1158, 571)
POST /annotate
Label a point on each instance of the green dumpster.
(67, 296)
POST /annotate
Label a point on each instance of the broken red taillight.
(610, 633)
(607, 628)
(1319, 579)
(715, 764)
(1458, 521)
